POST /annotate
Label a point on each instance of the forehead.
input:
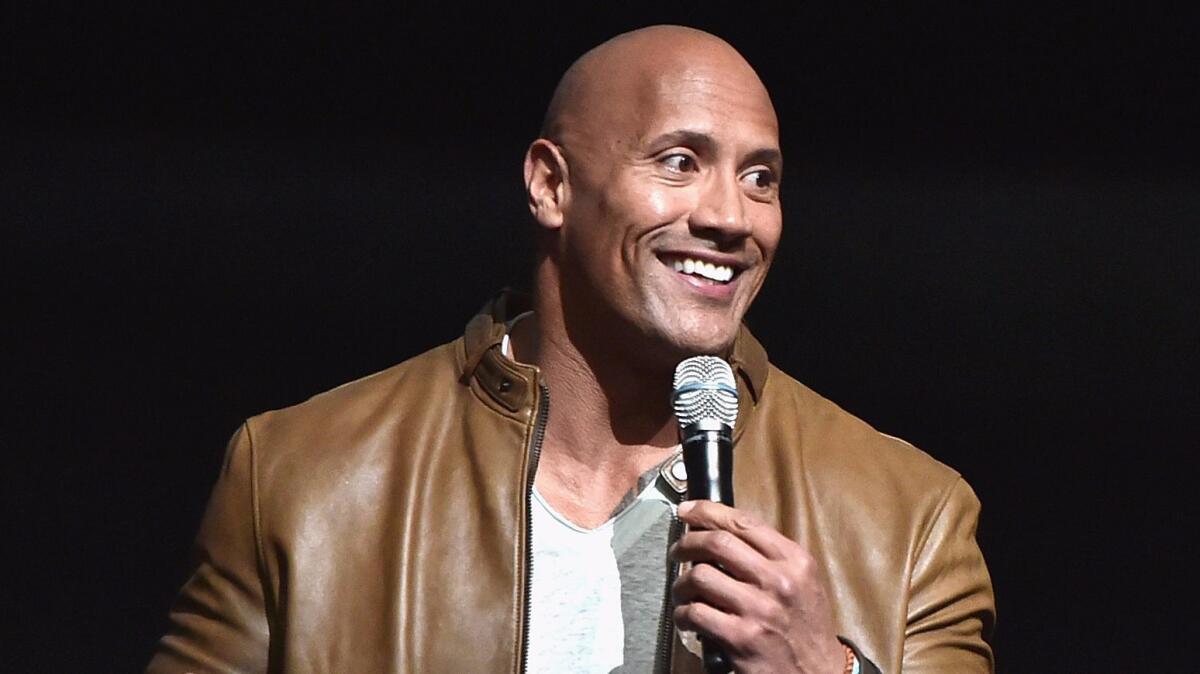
(727, 103)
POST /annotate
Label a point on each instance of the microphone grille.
(704, 389)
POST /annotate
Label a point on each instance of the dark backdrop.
(990, 250)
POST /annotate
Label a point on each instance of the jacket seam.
(256, 518)
(460, 356)
(920, 546)
(937, 515)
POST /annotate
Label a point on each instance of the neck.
(610, 418)
(602, 398)
(609, 422)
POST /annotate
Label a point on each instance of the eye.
(761, 180)
(679, 162)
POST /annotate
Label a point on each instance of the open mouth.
(705, 272)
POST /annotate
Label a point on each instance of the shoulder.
(841, 454)
(334, 426)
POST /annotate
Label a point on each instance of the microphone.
(705, 400)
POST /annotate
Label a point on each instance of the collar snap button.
(679, 471)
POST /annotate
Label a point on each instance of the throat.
(589, 493)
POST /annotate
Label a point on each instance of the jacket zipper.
(535, 453)
(666, 620)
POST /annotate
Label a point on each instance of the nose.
(720, 211)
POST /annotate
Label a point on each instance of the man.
(439, 516)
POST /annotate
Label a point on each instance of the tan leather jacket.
(382, 526)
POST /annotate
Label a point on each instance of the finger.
(705, 583)
(722, 548)
(713, 623)
(709, 515)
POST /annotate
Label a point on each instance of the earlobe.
(545, 183)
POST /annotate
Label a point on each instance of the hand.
(766, 605)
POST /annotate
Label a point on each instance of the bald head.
(613, 84)
(660, 147)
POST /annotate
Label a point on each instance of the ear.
(546, 182)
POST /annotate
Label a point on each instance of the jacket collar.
(513, 385)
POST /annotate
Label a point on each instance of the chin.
(689, 330)
(704, 338)
(708, 346)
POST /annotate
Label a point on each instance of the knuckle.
(723, 540)
(744, 522)
(747, 634)
(703, 575)
(681, 547)
(776, 614)
(784, 586)
(805, 563)
(685, 614)
(679, 586)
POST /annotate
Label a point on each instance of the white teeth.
(713, 272)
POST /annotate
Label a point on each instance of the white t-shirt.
(597, 595)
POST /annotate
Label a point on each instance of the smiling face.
(670, 212)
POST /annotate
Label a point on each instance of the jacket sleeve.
(218, 622)
(951, 610)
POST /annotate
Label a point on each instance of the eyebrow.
(705, 143)
(694, 139)
(767, 155)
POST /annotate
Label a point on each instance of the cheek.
(667, 204)
(630, 212)
(639, 202)
(767, 232)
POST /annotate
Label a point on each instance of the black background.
(990, 249)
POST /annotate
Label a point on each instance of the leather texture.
(380, 526)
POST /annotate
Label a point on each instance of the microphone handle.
(708, 457)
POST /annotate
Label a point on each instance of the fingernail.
(686, 507)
